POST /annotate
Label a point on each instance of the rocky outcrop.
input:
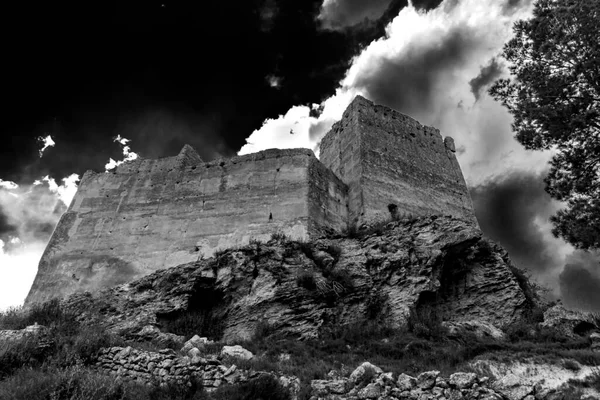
(570, 323)
(431, 263)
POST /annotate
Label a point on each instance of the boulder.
(426, 380)
(236, 351)
(371, 391)
(363, 371)
(463, 380)
(406, 382)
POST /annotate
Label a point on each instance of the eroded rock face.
(569, 322)
(299, 289)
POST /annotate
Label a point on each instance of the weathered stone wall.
(153, 214)
(394, 165)
(166, 367)
(146, 367)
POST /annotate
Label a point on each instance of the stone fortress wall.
(393, 165)
(153, 214)
(147, 215)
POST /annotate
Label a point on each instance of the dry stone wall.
(152, 214)
(393, 165)
(166, 367)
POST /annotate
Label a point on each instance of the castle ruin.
(375, 164)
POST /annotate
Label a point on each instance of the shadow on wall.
(103, 271)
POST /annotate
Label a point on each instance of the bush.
(334, 251)
(83, 347)
(50, 314)
(279, 237)
(571, 365)
(15, 354)
(265, 387)
(306, 280)
(426, 323)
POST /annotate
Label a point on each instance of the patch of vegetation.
(306, 280)
(66, 342)
(426, 323)
(76, 383)
(375, 306)
(280, 237)
(379, 227)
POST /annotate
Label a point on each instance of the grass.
(80, 383)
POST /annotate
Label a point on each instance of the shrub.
(426, 323)
(375, 305)
(265, 387)
(571, 365)
(279, 237)
(15, 354)
(334, 251)
(366, 378)
(341, 277)
(83, 347)
(50, 314)
(306, 280)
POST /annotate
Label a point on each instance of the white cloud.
(8, 185)
(286, 132)
(66, 191)
(128, 155)
(46, 142)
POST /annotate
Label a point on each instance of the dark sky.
(167, 73)
(162, 74)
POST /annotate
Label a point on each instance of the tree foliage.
(554, 97)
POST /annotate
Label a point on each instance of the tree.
(554, 97)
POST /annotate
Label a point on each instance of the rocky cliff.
(437, 266)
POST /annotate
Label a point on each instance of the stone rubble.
(428, 385)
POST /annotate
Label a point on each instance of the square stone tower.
(394, 166)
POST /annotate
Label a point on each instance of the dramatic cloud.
(489, 73)
(580, 281)
(514, 211)
(422, 67)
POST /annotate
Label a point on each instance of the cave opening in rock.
(201, 317)
(583, 328)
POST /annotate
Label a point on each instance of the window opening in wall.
(270, 216)
(393, 209)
